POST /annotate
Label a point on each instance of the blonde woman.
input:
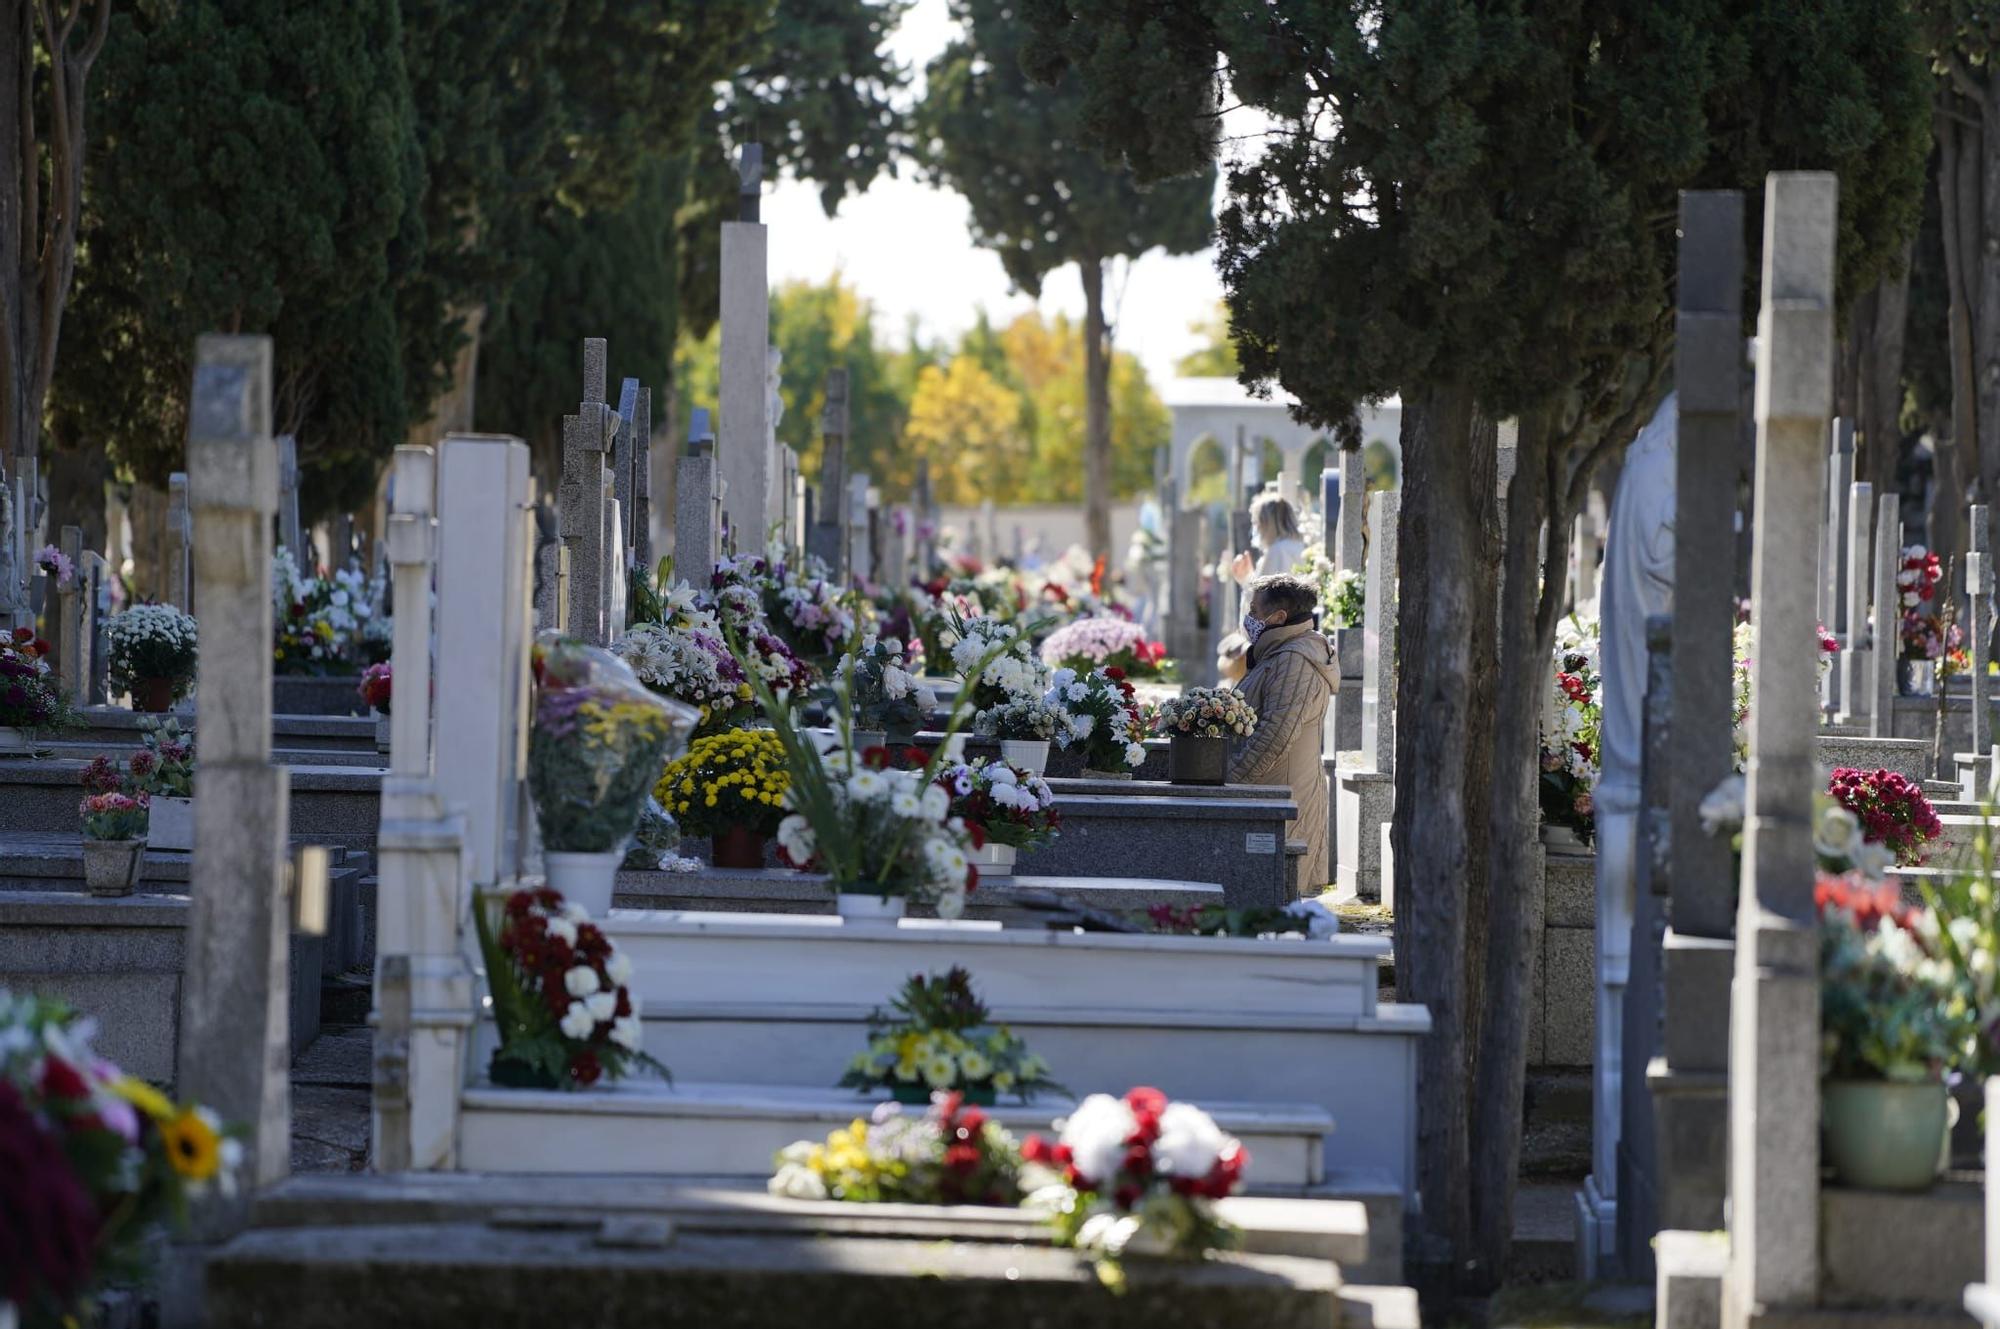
(1278, 542)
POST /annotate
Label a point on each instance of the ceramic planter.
(1561, 837)
(1030, 754)
(1196, 760)
(1883, 1135)
(381, 731)
(858, 909)
(995, 860)
(584, 879)
(737, 847)
(865, 739)
(153, 696)
(170, 824)
(1916, 678)
(14, 742)
(111, 867)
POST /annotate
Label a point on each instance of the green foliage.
(1216, 357)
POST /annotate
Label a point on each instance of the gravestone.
(1979, 629)
(744, 450)
(95, 574)
(72, 640)
(697, 519)
(291, 535)
(1857, 695)
(179, 535)
(827, 537)
(641, 510)
(1346, 545)
(1835, 546)
(625, 454)
(1774, 1027)
(1184, 638)
(15, 564)
(586, 436)
(860, 549)
(235, 1044)
(1367, 793)
(1886, 628)
(1690, 1104)
(923, 549)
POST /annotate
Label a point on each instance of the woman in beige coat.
(1292, 678)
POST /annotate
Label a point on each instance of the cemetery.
(1473, 805)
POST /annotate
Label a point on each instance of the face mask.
(1253, 628)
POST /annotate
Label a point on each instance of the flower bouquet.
(29, 696)
(1571, 718)
(1892, 810)
(377, 687)
(1003, 806)
(55, 564)
(690, 666)
(940, 1037)
(151, 649)
(565, 1015)
(996, 662)
(1199, 725)
(811, 613)
(1887, 1036)
(952, 1154)
(1304, 918)
(98, 1164)
(1100, 718)
(882, 689)
(877, 832)
(321, 621)
(1136, 1174)
(1091, 643)
(730, 787)
(594, 753)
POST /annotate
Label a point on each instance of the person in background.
(1232, 660)
(1292, 678)
(1279, 544)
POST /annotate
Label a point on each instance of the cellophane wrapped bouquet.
(599, 741)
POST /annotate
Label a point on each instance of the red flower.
(584, 1067)
(1114, 673)
(61, 1080)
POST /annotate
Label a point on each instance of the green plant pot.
(1881, 1135)
(513, 1073)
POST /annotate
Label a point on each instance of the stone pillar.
(95, 574)
(291, 535)
(1185, 640)
(745, 449)
(179, 535)
(424, 991)
(697, 520)
(1366, 798)
(1857, 697)
(1979, 627)
(551, 570)
(72, 662)
(625, 454)
(586, 437)
(235, 1022)
(483, 614)
(1834, 548)
(642, 481)
(1348, 548)
(923, 534)
(1774, 1025)
(1887, 624)
(1688, 1077)
(860, 551)
(828, 537)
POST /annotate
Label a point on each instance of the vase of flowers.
(939, 1037)
(996, 663)
(323, 624)
(882, 691)
(685, 659)
(1892, 810)
(29, 696)
(1135, 1175)
(163, 770)
(1025, 727)
(561, 1001)
(151, 650)
(1571, 718)
(1199, 725)
(598, 741)
(101, 1165)
(1100, 719)
(114, 837)
(377, 688)
(1006, 809)
(1886, 1035)
(730, 787)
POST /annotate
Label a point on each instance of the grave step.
(732, 1131)
(784, 891)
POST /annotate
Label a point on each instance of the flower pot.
(918, 1094)
(1916, 678)
(1030, 754)
(1092, 773)
(995, 860)
(953, 747)
(14, 742)
(584, 879)
(512, 1073)
(738, 847)
(865, 739)
(154, 696)
(111, 867)
(1561, 837)
(1883, 1135)
(858, 909)
(170, 824)
(381, 732)
(1196, 760)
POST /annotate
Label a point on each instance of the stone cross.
(1879, 676)
(235, 1027)
(745, 445)
(1182, 620)
(1979, 627)
(1774, 1026)
(290, 534)
(860, 551)
(179, 534)
(1856, 696)
(642, 480)
(1835, 546)
(1690, 1104)
(587, 436)
(1378, 619)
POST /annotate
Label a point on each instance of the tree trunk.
(1958, 213)
(1880, 413)
(1986, 304)
(1097, 413)
(1479, 767)
(1439, 534)
(1531, 591)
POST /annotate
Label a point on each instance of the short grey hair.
(1274, 518)
(1297, 596)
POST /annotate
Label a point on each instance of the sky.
(904, 246)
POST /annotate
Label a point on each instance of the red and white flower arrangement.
(1924, 634)
(566, 1015)
(29, 697)
(1089, 643)
(1001, 803)
(1099, 716)
(1892, 810)
(1138, 1173)
(377, 684)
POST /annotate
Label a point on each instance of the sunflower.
(194, 1146)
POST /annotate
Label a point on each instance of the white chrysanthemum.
(868, 784)
(628, 1033)
(1190, 1141)
(1096, 1133)
(564, 929)
(935, 802)
(580, 981)
(601, 1005)
(619, 967)
(906, 804)
(577, 1022)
